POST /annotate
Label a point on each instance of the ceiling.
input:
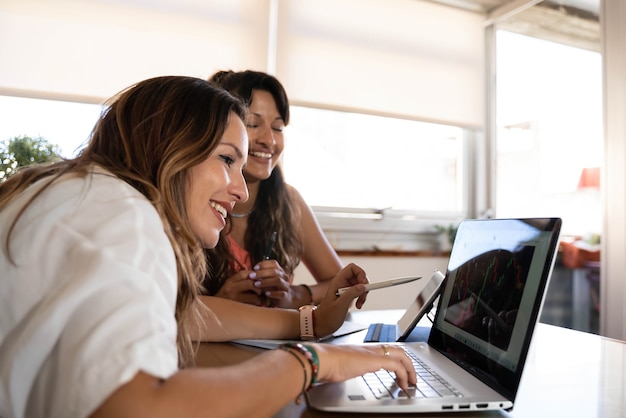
(489, 6)
(572, 22)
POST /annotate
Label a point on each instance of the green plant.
(449, 230)
(23, 150)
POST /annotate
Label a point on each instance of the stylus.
(270, 246)
(383, 284)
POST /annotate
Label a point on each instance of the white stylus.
(385, 283)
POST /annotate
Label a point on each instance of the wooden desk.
(568, 374)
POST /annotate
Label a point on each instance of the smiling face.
(217, 183)
(265, 133)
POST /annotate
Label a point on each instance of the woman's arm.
(319, 257)
(231, 391)
(234, 391)
(226, 320)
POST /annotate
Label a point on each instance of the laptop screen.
(495, 282)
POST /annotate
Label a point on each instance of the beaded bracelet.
(309, 353)
(306, 380)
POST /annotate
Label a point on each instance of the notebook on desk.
(490, 301)
(400, 331)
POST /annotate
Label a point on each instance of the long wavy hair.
(274, 209)
(149, 136)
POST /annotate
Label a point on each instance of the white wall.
(383, 268)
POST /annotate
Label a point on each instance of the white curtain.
(94, 48)
(399, 57)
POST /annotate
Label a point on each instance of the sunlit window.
(66, 124)
(403, 174)
(341, 159)
(549, 132)
(336, 159)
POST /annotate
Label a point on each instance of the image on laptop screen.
(487, 293)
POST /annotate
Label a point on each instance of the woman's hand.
(267, 285)
(341, 362)
(274, 284)
(332, 311)
(242, 288)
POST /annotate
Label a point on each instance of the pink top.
(241, 255)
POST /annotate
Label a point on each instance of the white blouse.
(89, 300)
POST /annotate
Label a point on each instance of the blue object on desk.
(380, 333)
(419, 335)
(386, 333)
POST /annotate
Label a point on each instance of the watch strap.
(307, 322)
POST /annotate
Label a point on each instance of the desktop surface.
(568, 373)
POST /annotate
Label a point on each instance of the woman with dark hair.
(241, 269)
(102, 260)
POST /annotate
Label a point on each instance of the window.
(66, 124)
(378, 182)
(549, 132)
(374, 182)
(351, 160)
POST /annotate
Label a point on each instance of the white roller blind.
(94, 48)
(397, 57)
(400, 57)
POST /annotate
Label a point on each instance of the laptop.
(490, 302)
(400, 331)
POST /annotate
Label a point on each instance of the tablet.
(422, 304)
(400, 331)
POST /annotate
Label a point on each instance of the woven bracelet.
(306, 380)
(310, 354)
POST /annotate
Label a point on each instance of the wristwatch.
(307, 322)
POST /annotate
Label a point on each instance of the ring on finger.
(386, 350)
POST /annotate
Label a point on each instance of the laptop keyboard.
(429, 384)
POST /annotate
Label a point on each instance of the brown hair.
(149, 136)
